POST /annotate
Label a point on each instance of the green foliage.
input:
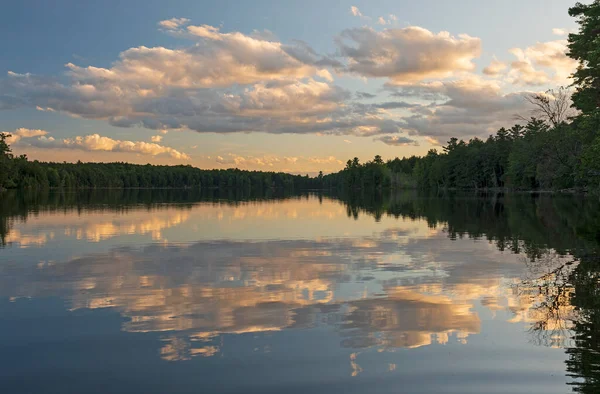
(584, 46)
(375, 174)
(19, 172)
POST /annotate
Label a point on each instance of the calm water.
(176, 292)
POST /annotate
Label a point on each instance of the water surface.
(181, 292)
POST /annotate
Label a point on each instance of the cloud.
(390, 21)
(95, 142)
(364, 95)
(283, 163)
(432, 141)
(395, 140)
(355, 11)
(173, 23)
(224, 82)
(560, 32)
(468, 107)
(325, 160)
(408, 54)
(541, 64)
(495, 68)
(20, 133)
(306, 105)
(395, 105)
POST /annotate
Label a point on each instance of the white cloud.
(495, 68)
(96, 142)
(560, 32)
(233, 82)
(173, 23)
(541, 64)
(355, 11)
(20, 133)
(381, 21)
(408, 54)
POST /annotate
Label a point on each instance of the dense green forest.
(557, 148)
(19, 172)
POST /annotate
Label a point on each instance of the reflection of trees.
(562, 294)
(583, 363)
(276, 286)
(18, 206)
(550, 313)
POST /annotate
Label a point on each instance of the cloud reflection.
(390, 290)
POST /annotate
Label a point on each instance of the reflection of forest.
(18, 206)
(564, 295)
(198, 292)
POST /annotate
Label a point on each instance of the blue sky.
(437, 77)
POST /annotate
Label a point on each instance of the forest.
(19, 172)
(556, 148)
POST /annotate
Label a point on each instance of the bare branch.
(554, 106)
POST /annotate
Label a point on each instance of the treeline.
(537, 155)
(19, 172)
(557, 148)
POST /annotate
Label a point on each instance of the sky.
(295, 86)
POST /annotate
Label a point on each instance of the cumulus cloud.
(20, 133)
(408, 54)
(96, 142)
(396, 140)
(173, 23)
(541, 64)
(225, 82)
(495, 68)
(468, 107)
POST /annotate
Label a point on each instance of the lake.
(165, 291)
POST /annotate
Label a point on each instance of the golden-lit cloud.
(541, 64)
(495, 68)
(406, 55)
(96, 142)
(229, 81)
(20, 133)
